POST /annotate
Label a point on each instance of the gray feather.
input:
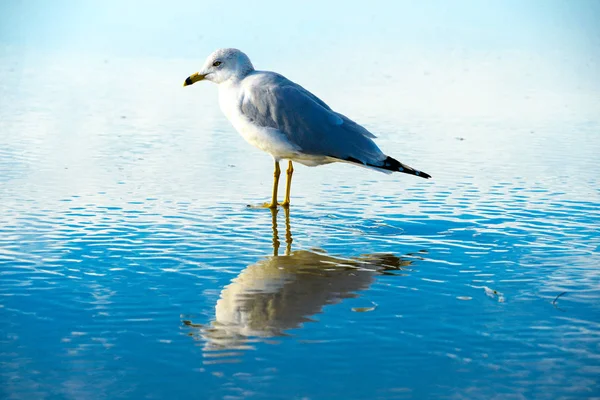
(311, 125)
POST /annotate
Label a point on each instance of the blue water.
(132, 267)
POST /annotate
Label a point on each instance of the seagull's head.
(222, 65)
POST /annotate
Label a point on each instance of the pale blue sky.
(480, 57)
(186, 28)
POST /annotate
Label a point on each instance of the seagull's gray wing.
(270, 100)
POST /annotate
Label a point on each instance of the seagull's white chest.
(267, 139)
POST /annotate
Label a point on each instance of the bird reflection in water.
(281, 292)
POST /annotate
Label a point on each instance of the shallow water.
(131, 265)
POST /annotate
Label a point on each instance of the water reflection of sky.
(125, 241)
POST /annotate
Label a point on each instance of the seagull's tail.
(391, 164)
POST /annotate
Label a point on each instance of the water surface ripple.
(130, 266)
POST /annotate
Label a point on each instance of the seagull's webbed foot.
(264, 205)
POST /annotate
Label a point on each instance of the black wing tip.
(423, 175)
(391, 164)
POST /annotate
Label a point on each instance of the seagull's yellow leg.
(276, 174)
(288, 185)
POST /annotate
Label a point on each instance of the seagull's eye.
(217, 63)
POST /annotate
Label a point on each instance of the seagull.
(287, 121)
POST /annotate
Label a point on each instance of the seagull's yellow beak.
(193, 78)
